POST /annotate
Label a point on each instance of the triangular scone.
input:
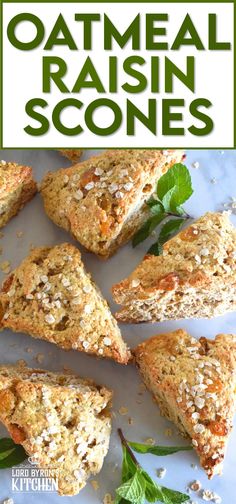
(52, 297)
(17, 187)
(195, 277)
(102, 201)
(72, 154)
(62, 421)
(194, 384)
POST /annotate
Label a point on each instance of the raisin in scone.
(62, 421)
(195, 277)
(50, 296)
(17, 187)
(194, 384)
(102, 201)
(72, 154)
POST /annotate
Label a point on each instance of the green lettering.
(103, 102)
(56, 116)
(87, 19)
(60, 26)
(25, 46)
(152, 31)
(208, 123)
(172, 70)
(181, 40)
(111, 32)
(168, 116)
(214, 45)
(55, 76)
(134, 113)
(88, 70)
(142, 80)
(31, 112)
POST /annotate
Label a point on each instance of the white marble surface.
(39, 230)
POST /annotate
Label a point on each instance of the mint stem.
(183, 216)
(124, 443)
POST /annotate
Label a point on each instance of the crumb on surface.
(123, 410)
(161, 472)
(195, 486)
(5, 266)
(95, 485)
(108, 499)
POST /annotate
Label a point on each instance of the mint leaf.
(169, 229)
(155, 249)
(147, 229)
(157, 450)
(133, 490)
(137, 486)
(177, 178)
(11, 454)
(174, 496)
(155, 206)
(128, 466)
(166, 200)
(153, 491)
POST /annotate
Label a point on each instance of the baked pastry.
(62, 421)
(194, 384)
(16, 188)
(102, 200)
(72, 154)
(52, 297)
(194, 277)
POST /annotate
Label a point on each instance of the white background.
(124, 380)
(22, 75)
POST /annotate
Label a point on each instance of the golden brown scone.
(16, 188)
(72, 154)
(62, 421)
(52, 297)
(194, 384)
(194, 277)
(102, 201)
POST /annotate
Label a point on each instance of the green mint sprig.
(11, 454)
(158, 450)
(137, 486)
(173, 189)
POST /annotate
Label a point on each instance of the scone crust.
(194, 277)
(62, 421)
(194, 384)
(102, 201)
(51, 296)
(17, 187)
(72, 154)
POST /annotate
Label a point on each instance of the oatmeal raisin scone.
(17, 187)
(194, 383)
(62, 421)
(102, 201)
(194, 277)
(50, 296)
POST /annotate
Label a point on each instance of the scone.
(52, 297)
(16, 188)
(195, 277)
(72, 154)
(62, 421)
(194, 384)
(102, 201)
